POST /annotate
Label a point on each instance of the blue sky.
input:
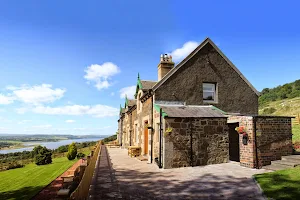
(66, 65)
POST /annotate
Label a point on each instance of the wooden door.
(234, 143)
(146, 138)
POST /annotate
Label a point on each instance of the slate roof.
(192, 111)
(147, 85)
(131, 102)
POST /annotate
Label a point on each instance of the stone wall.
(274, 138)
(144, 115)
(234, 94)
(195, 141)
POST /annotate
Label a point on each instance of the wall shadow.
(24, 193)
(151, 185)
(279, 186)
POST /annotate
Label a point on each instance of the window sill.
(210, 102)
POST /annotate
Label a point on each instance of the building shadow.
(279, 186)
(151, 185)
(24, 193)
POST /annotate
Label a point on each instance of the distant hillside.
(286, 107)
(282, 92)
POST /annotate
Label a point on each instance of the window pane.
(209, 96)
(209, 87)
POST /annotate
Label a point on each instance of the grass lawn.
(24, 183)
(296, 133)
(283, 184)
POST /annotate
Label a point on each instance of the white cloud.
(70, 121)
(181, 53)
(45, 126)
(24, 121)
(95, 110)
(4, 130)
(36, 94)
(129, 91)
(101, 74)
(21, 110)
(6, 99)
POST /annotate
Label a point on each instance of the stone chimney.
(165, 65)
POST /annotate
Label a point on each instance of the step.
(286, 162)
(276, 167)
(291, 157)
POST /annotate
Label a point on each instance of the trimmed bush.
(80, 155)
(72, 151)
(14, 166)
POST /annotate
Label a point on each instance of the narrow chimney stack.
(165, 65)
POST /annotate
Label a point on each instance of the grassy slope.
(287, 107)
(283, 184)
(24, 183)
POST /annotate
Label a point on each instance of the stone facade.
(195, 142)
(233, 93)
(201, 141)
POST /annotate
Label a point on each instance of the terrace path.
(122, 177)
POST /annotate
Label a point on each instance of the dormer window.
(209, 92)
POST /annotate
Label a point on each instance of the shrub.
(14, 166)
(43, 157)
(268, 111)
(80, 155)
(72, 151)
(110, 138)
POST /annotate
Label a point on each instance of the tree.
(43, 156)
(72, 152)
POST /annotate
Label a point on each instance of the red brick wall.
(273, 136)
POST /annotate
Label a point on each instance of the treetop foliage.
(286, 91)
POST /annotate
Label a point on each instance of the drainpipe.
(160, 136)
(151, 150)
(121, 131)
(130, 131)
(191, 139)
(255, 142)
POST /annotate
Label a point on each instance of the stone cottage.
(189, 115)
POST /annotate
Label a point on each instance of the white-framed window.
(209, 92)
(136, 133)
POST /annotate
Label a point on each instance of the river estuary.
(49, 145)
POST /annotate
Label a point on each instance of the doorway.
(234, 143)
(146, 141)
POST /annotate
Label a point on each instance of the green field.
(283, 184)
(296, 133)
(24, 183)
(287, 107)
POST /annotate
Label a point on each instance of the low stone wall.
(195, 142)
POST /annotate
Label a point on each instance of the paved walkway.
(130, 178)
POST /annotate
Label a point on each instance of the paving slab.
(139, 180)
